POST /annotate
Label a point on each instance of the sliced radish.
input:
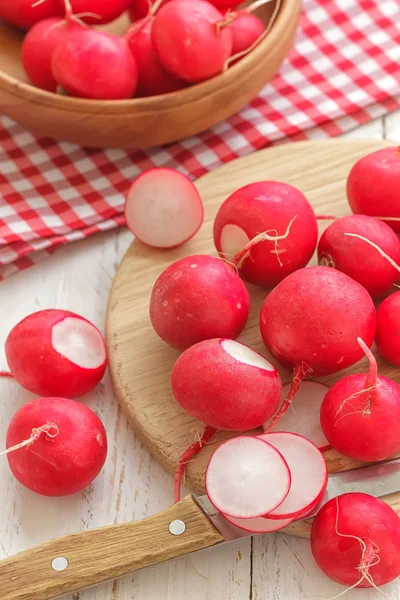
(303, 417)
(260, 524)
(80, 342)
(308, 472)
(245, 475)
(163, 208)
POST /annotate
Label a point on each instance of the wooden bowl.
(143, 122)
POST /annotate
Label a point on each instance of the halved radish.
(245, 475)
(303, 418)
(163, 208)
(259, 524)
(309, 474)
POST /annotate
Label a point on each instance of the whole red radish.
(98, 12)
(25, 13)
(358, 260)
(94, 64)
(153, 78)
(226, 385)
(163, 208)
(373, 185)
(66, 449)
(355, 540)
(140, 8)
(188, 42)
(311, 321)
(56, 352)
(197, 298)
(246, 29)
(388, 329)
(38, 48)
(267, 207)
(360, 415)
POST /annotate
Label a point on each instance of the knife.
(85, 559)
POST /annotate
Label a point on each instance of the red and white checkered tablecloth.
(343, 71)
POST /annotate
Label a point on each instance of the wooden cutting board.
(141, 363)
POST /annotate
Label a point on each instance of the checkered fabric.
(343, 71)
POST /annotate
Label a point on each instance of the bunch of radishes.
(316, 321)
(170, 45)
(56, 446)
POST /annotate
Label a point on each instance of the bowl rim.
(36, 95)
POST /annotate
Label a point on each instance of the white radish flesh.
(79, 342)
(163, 208)
(303, 416)
(259, 525)
(247, 477)
(309, 474)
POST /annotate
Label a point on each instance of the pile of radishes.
(316, 321)
(171, 44)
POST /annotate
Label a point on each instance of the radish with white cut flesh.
(198, 298)
(163, 208)
(267, 229)
(56, 353)
(247, 478)
(259, 524)
(308, 470)
(303, 419)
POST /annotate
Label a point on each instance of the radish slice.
(245, 475)
(163, 208)
(260, 524)
(308, 471)
(304, 419)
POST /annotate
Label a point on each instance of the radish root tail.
(326, 218)
(300, 373)
(6, 374)
(381, 252)
(187, 456)
(51, 430)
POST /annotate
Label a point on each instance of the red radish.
(140, 8)
(352, 256)
(56, 352)
(38, 48)
(273, 208)
(226, 385)
(99, 12)
(311, 321)
(373, 185)
(163, 208)
(360, 415)
(259, 524)
(197, 298)
(26, 13)
(355, 540)
(62, 446)
(304, 418)
(388, 329)
(225, 4)
(246, 478)
(94, 64)
(153, 78)
(188, 42)
(246, 29)
(309, 474)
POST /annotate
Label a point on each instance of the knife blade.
(80, 560)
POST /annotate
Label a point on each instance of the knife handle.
(98, 555)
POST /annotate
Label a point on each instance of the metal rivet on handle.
(59, 564)
(177, 527)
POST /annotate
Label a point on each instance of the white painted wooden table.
(133, 485)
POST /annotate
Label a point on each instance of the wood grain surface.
(141, 363)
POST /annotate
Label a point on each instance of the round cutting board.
(141, 363)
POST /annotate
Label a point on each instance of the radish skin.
(246, 29)
(163, 208)
(353, 256)
(197, 298)
(355, 540)
(54, 352)
(247, 478)
(360, 415)
(259, 525)
(65, 459)
(311, 322)
(26, 13)
(388, 329)
(96, 65)
(266, 206)
(187, 40)
(373, 184)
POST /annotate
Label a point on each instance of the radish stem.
(6, 374)
(190, 453)
(300, 372)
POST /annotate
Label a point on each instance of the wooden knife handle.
(99, 555)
